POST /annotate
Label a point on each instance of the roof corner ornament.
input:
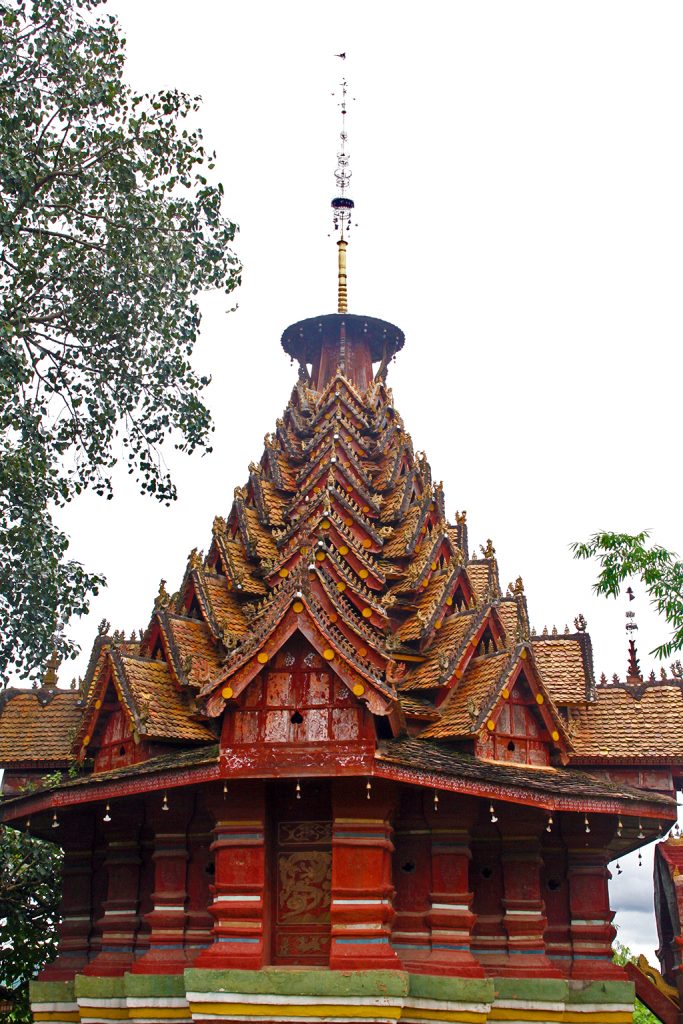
(163, 598)
(342, 206)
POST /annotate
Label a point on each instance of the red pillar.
(412, 879)
(362, 891)
(524, 921)
(489, 939)
(167, 919)
(200, 869)
(555, 886)
(75, 908)
(120, 921)
(592, 931)
(450, 916)
(239, 883)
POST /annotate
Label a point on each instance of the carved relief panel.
(303, 892)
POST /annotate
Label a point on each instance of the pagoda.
(337, 776)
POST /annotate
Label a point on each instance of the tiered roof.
(341, 533)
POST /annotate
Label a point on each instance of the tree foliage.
(29, 900)
(623, 556)
(109, 229)
(641, 1014)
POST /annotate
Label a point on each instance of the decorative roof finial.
(342, 204)
(633, 671)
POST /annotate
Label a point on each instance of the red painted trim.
(311, 766)
(515, 794)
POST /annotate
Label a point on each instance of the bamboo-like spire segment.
(342, 303)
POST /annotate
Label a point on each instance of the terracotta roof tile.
(225, 605)
(274, 502)
(195, 646)
(560, 662)
(509, 616)
(33, 732)
(448, 641)
(259, 535)
(415, 708)
(164, 712)
(618, 725)
(395, 546)
(459, 716)
(478, 575)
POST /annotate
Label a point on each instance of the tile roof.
(225, 605)
(194, 646)
(456, 630)
(478, 575)
(508, 613)
(330, 475)
(459, 716)
(440, 759)
(37, 726)
(561, 663)
(163, 712)
(620, 726)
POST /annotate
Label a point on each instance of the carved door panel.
(302, 892)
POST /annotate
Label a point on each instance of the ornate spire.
(342, 205)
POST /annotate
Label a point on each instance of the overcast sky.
(517, 172)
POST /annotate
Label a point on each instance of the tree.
(29, 900)
(641, 1014)
(109, 229)
(622, 556)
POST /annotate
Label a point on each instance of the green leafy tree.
(641, 1014)
(109, 229)
(29, 900)
(623, 556)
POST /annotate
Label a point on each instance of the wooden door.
(303, 879)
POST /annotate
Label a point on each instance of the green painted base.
(278, 994)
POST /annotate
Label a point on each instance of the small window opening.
(408, 867)
(487, 872)
(554, 884)
(511, 746)
(297, 718)
(122, 751)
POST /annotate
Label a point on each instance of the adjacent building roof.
(37, 727)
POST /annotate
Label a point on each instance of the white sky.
(517, 178)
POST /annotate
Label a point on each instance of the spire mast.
(342, 205)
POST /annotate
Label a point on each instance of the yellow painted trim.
(562, 1016)
(111, 1013)
(457, 1016)
(280, 1010)
(57, 1015)
(168, 1012)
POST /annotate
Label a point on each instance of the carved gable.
(297, 698)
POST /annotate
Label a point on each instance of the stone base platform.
(294, 994)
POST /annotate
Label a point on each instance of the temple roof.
(341, 533)
(627, 724)
(37, 726)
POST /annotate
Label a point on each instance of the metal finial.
(633, 671)
(342, 205)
